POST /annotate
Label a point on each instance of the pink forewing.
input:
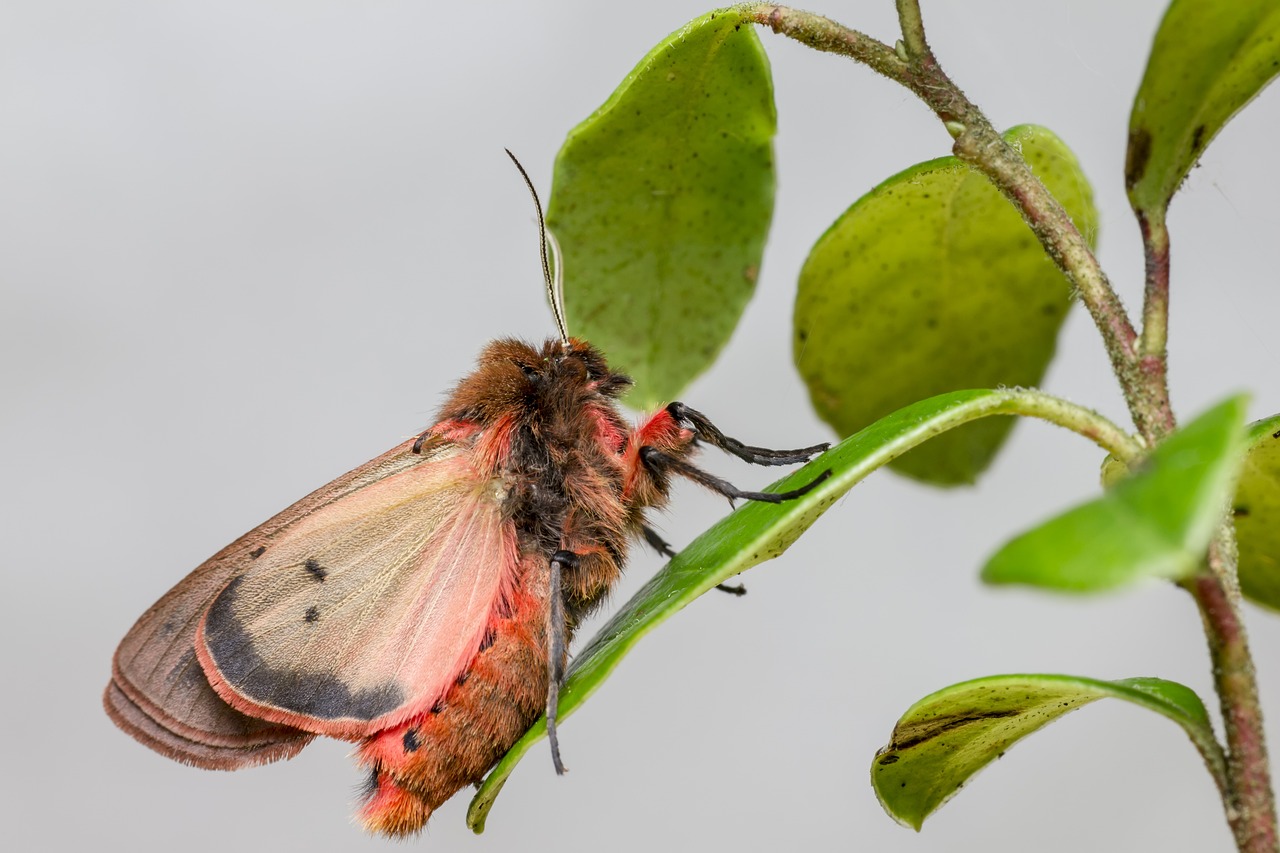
(365, 612)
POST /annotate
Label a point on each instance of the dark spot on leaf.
(257, 552)
(1137, 157)
(411, 742)
(1197, 137)
(887, 759)
(317, 571)
(905, 737)
(1276, 434)
(1241, 512)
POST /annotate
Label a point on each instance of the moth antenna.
(555, 284)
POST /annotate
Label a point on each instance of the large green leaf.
(929, 283)
(1156, 522)
(753, 533)
(943, 739)
(1209, 59)
(1257, 514)
(661, 203)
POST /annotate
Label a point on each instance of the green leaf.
(943, 739)
(752, 534)
(661, 203)
(1257, 514)
(1209, 59)
(1156, 522)
(929, 283)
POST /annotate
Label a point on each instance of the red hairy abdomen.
(419, 764)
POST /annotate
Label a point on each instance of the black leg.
(657, 543)
(709, 433)
(659, 461)
(560, 561)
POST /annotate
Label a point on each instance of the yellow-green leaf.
(931, 283)
(947, 737)
(1209, 59)
(1257, 514)
(661, 203)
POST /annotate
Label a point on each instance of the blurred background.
(246, 246)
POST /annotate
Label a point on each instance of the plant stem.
(1248, 800)
(1153, 345)
(913, 28)
(1086, 422)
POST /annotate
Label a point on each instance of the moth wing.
(158, 691)
(363, 612)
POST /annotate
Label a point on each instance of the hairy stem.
(1248, 800)
(1086, 422)
(913, 28)
(1153, 344)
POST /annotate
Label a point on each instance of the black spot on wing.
(411, 742)
(258, 552)
(322, 695)
(312, 614)
(317, 571)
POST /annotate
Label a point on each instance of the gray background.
(245, 246)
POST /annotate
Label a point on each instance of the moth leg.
(657, 461)
(657, 543)
(706, 431)
(556, 628)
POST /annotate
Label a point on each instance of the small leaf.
(661, 203)
(929, 283)
(1208, 61)
(1257, 514)
(1157, 522)
(943, 739)
(752, 534)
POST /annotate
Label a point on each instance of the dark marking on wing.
(317, 571)
(322, 695)
(462, 679)
(411, 742)
(1137, 157)
(438, 706)
(313, 613)
(257, 552)
(486, 641)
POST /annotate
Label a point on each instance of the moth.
(422, 605)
